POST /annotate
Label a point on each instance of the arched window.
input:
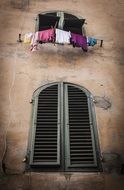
(63, 134)
(61, 20)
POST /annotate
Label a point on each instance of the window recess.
(64, 134)
(61, 20)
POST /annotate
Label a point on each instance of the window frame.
(62, 101)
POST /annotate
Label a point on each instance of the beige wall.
(100, 70)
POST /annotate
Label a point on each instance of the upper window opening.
(63, 135)
(61, 20)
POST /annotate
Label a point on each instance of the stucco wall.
(100, 70)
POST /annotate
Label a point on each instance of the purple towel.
(79, 41)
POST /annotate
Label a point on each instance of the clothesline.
(59, 36)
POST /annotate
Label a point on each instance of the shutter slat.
(78, 150)
(44, 161)
(46, 135)
(46, 129)
(39, 149)
(52, 145)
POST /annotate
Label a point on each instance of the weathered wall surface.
(101, 71)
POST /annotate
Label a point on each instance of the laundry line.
(58, 36)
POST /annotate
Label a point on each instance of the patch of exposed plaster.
(102, 102)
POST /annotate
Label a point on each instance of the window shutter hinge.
(31, 101)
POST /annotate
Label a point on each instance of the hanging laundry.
(91, 41)
(62, 37)
(43, 37)
(34, 42)
(46, 35)
(79, 41)
(28, 37)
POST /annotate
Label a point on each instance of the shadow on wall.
(112, 163)
(65, 53)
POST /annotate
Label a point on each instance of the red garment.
(46, 35)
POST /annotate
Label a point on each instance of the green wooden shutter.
(80, 152)
(64, 135)
(46, 144)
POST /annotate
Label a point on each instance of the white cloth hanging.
(34, 41)
(62, 37)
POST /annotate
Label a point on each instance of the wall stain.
(111, 162)
(102, 102)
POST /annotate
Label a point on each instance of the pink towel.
(42, 36)
(46, 35)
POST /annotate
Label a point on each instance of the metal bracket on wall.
(19, 39)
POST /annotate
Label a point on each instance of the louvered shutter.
(46, 149)
(80, 143)
(64, 135)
